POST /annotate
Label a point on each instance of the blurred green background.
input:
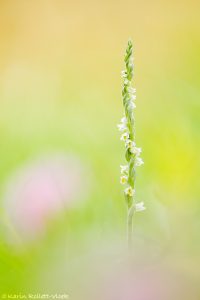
(60, 89)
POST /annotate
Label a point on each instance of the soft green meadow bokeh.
(60, 89)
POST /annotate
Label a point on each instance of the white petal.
(124, 169)
(124, 120)
(140, 206)
(121, 127)
(138, 161)
(124, 136)
(132, 105)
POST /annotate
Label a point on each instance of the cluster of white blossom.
(126, 127)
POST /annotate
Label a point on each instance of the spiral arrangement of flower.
(127, 128)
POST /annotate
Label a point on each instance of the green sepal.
(128, 155)
(129, 200)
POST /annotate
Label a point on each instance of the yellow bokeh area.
(60, 91)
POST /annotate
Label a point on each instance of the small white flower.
(132, 105)
(138, 161)
(130, 144)
(135, 150)
(131, 90)
(123, 179)
(126, 81)
(121, 127)
(131, 65)
(124, 74)
(124, 169)
(124, 120)
(124, 137)
(131, 59)
(132, 97)
(140, 206)
(129, 191)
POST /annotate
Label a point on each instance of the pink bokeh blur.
(149, 284)
(41, 189)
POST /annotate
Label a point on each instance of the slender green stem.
(130, 226)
